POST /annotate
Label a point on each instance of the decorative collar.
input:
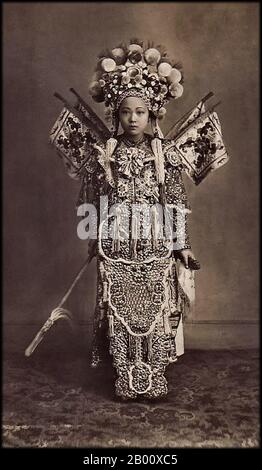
(130, 143)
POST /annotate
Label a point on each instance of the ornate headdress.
(136, 70)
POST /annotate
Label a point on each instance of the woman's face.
(133, 116)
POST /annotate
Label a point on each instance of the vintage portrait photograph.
(131, 226)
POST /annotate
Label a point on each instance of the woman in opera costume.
(145, 266)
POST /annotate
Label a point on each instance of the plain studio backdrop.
(51, 47)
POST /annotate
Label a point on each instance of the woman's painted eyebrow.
(129, 109)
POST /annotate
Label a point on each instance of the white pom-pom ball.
(135, 48)
(119, 55)
(174, 76)
(161, 113)
(108, 65)
(176, 90)
(152, 56)
(164, 69)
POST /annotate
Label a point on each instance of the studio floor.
(56, 400)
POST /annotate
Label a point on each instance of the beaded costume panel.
(139, 300)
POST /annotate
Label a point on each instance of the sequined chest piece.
(135, 174)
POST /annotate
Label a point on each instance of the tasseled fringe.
(104, 158)
(154, 227)
(149, 347)
(138, 349)
(162, 193)
(110, 148)
(116, 235)
(134, 237)
(111, 326)
(166, 324)
(156, 145)
(104, 282)
(102, 270)
(158, 130)
(131, 347)
(159, 159)
(129, 352)
(105, 291)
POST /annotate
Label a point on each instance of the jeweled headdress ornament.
(136, 70)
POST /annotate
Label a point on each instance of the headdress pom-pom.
(161, 113)
(140, 70)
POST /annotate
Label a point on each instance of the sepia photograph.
(131, 227)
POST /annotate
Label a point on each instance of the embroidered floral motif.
(173, 158)
(147, 187)
(203, 145)
(130, 161)
(201, 148)
(123, 188)
(75, 140)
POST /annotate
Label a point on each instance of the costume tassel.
(156, 145)
(138, 349)
(110, 148)
(129, 352)
(134, 236)
(160, 167)
(102, 270)
(131, 347)
(116, 236)
(105, 292)
(162, 193)
(149, 347)
(104, 282)
(167, 329)
(154, 229)
(111, 325)
(104, 158)
(158, 130)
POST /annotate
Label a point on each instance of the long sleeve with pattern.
(176, 196)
